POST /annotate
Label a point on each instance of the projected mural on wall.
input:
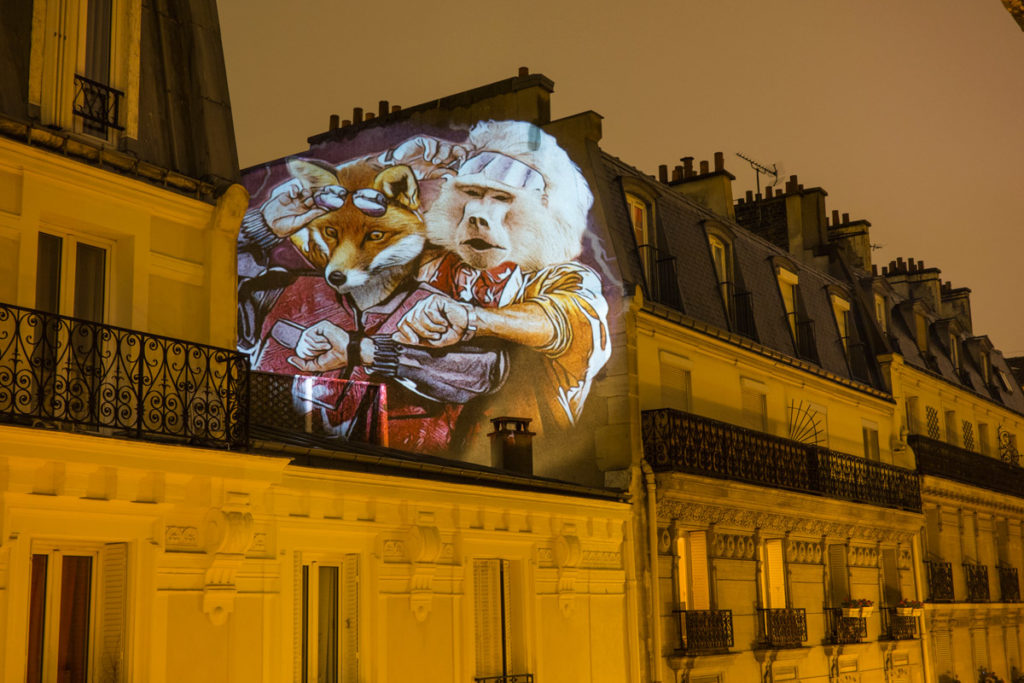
(411, 285)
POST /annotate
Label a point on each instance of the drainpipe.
(652, 546)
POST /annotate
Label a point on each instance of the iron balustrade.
(806, 347)
(100, 377)
(977, 582)
(97, 103)
(940, 581)
(944, 460)
(783, 628)
(683, 442)
(660, 272)
(505, 678)
(1009, 586)
(898, 626)
(842, 629)
(704, 630)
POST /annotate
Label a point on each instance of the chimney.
(512, 444)
(956, 303)
(357, 115)
(704, 168)
(835, 217)
(663, 173)
(687, 166)
(382, 108)
(335, 120)
(395, 108)
(719, 162)
(768, 192)
(369, 116)
(677, 174)
(524, 71)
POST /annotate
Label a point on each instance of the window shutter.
(943, 652)
(871, 448)
(675, 387)
(700, 588)
(113, 606)
(487, 611)
(776, 584)
(979, 639)
(891, 577)
(838, 573)
(350, 620)
(299, 596)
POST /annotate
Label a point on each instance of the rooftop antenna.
(759, 169)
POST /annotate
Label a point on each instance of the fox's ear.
(312, 173)
(399, 183)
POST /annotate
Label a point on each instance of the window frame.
(308, 617)
(66, 279)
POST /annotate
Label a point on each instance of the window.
(869, 431)
(71, 277)
(892, 591)
(1004, 380)
(77, 606)
(754, 404)
(986, 367)
(722, 260)
(788, 289)
(881, 312)
(967, 428)
(913, 415)
(951, 427)
(497, 620)
(984, 442)
(639, 217)
(954, 351)
(675, 382)
(774, 575)
(692, 575)
(839, 575)
(921, 333)
(841, 311)
(932, 422)
(329, 619)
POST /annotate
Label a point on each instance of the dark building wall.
(15, 47)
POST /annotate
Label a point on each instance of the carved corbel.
(228, 533)
(423, 545)
(567, 555)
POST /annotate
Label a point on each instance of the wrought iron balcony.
(897, 626)
(940, 581)
(505, 678)
(842, 629)
(98, 104)
(941, 459)
(1009, 586)
(782, 628)
(682, 442)
(977, 582)
(705, 630)
(660, 271)
(55, 369)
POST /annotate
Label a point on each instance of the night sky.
(910, 114)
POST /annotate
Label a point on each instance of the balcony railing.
(977, 582)
(743, 314)
(783, 628)
(1009, 586)
(806, 347)
(842, 629)
(705, 630)
(941, 459)
(97, 103)
(55, 369)
(660, 271)
(940, 581)
(505, 678)
(897, 626)
(682, 442)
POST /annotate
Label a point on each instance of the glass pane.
(97, 41)
(73, 640)
(48, 273)
(36, 620)
(90, 282)
(327, 631)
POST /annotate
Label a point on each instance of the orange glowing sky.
(910, 113)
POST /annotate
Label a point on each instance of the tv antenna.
(759, 169)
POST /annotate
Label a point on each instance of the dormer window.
(788, 282)
(640, 217)
(1004, 381)
(921, 333)
(986, 368)
(881, 310)
(721, 257)
(954, 351)
(841, 311)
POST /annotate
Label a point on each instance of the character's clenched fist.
(321, 347)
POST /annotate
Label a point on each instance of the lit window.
(497, 620)
(880, 312)
(639, 217)
(986, 367)
(77, 606)
(71, 277)
(788, 282)
(1004, 381)
(921, 333)
(841, 311)
(954, 351)
(692, 575)
(722, 260)
(773, 574)
(869, 432)
(839, 574)
(329, 631)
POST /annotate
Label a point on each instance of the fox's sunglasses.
(373, 203)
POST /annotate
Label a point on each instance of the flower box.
(909, 611)
(853, 611)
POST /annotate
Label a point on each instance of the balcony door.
(72, 276)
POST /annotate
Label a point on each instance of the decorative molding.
(567, 556)
(804, 552)
(670, 509)
(904, 559)
(733, 546)
(393, 550)
(181, 537)
(602, 559)
(422, 548)
(859, 556)
(228, 534)
(965, 493)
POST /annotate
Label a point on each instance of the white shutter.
(891, 577)
(675, 387)
(943, 652)
(350, 620)
(113, 607)
(838, 573)
(487, 616)
(775, 588)
(298, 616)
(700, 588)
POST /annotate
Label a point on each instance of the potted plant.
(909, 608)
(860, 607)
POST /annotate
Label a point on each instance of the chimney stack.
(357, 114)
(663, 173)
(835, 217)
(704, 168)
(512, 444)
(677, 174)
(687, 167)
(335, 120)
(382, 108)
(719, 162)
(524, 71)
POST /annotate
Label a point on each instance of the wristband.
(354, 351)
(470, 323)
